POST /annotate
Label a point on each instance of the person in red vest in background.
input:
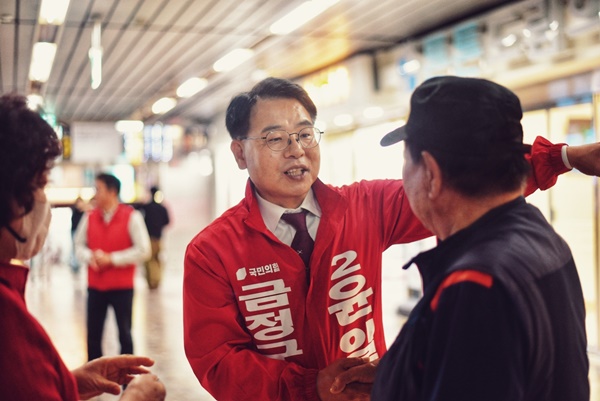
(111, 239)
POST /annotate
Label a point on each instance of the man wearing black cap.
(502, 316)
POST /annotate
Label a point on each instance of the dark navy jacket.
(502, 318)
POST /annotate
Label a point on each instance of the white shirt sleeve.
(82, 252)
(140, 251)
(565, 159)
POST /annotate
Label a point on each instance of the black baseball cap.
(463, 116)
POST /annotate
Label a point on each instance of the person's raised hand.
(107, 374)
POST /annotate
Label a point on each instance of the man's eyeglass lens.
(279, 140)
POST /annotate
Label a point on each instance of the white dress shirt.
(271, 214)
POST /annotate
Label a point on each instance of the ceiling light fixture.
(163, 105)
(42, 59)
(52, 15)
(95, 54)
(192, 86)
(232, 59)
(300, 16)
(53, 12)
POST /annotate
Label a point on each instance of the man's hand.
(349, 379)
(107, 374)
(102, 259)
(93, 263)
(364, 373)
(585, 158)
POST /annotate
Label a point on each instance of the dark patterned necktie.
(302, 242)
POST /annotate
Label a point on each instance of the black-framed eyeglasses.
(278, 140)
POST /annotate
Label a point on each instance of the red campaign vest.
(110, 237)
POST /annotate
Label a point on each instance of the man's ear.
(238, 152)
(433, 174)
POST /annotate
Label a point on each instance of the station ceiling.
(152, 46)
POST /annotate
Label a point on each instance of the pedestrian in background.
(156, 217)
(111, 239)
(78, 208)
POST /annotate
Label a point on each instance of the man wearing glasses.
(282, 292)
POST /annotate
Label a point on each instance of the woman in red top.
(30, 366)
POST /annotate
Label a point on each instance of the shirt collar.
(429, 261)
(271, 213)
(108, 214)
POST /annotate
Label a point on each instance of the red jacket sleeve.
(546, 165)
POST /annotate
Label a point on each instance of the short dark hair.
(112, 183)
(237, 118)
(28, 147)
(477, 176)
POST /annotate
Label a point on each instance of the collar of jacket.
(429, 262)
(333, 207)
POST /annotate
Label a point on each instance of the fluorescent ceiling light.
(41, 61)
(300, 16)
(232, 59)
(95, 54)
(129, 126)
(191, 87)
(53, 11)
(163, 105)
